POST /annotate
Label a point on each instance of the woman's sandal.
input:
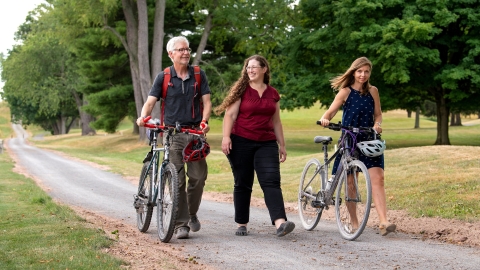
(241, 231)
(285, 228)
(387, 228)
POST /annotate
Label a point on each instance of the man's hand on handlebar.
(142, 120)
(204, 126)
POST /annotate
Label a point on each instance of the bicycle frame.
(154, 162)
(347, 191)
(347, 148)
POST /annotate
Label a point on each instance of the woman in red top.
(253, 142)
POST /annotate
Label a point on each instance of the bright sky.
(12, 15)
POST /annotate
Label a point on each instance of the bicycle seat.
(322, 139)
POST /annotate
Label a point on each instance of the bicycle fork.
(140, 201)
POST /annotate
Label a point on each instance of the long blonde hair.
(239, 87)
(347, 78)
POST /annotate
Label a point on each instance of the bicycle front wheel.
(167, 207)
(311, 183)
(143, 200)
(353, 200)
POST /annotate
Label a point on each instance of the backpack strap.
(166, 83)
(198, 83)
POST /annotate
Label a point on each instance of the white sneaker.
(182, 233)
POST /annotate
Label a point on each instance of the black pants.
(246, 157)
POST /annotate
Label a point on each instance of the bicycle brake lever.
(178, 127)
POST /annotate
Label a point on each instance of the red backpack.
(166, 83)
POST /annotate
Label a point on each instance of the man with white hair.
(190, 106)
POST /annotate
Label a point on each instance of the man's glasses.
(248, 68)
(183, 50)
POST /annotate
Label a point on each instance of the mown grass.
(423, 179)
(450, 189)
(36, 233)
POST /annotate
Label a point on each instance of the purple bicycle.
(349, 190)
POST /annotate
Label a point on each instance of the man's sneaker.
(194, 224)
(182, 233)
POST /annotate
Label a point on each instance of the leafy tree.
(38, 77)
(102, 64)
(432, 46)
(229, 31)
(107, 82)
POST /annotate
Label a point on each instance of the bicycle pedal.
(137, 202)
(317, 204)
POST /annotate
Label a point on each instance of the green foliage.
(37, 92)
(420, 50)
(108, 84)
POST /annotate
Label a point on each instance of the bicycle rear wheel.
(353, 200)
(167, 207)
(143, 200)
(311, 183)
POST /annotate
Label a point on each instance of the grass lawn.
(421, 178)
(35, 232)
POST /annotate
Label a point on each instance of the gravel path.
(215, 245)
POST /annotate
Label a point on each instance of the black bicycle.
(158, 185)
(351, 182)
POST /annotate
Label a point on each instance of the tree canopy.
(109, 51)
(419, 49)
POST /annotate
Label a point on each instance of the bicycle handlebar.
(177, 129)
(339, 126)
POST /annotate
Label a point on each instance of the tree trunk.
(55, 127)
(85, 118)
(72, 122)
(131, 46)
(455, 119)
(458, 119)
(158, 36)
(417, 118)
(63, 126)
(157, 47)
(443, 111)
(203, 42)
(143, 52)
(136, 45)
(409, 113)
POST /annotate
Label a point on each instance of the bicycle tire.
(143, 202)
(311, 183)
(360, 205)
(167, 206)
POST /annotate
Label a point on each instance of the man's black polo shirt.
(180, 97)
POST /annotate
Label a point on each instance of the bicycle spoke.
(351, 211)
(143, 198)
(308, 195)
(167, 209)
